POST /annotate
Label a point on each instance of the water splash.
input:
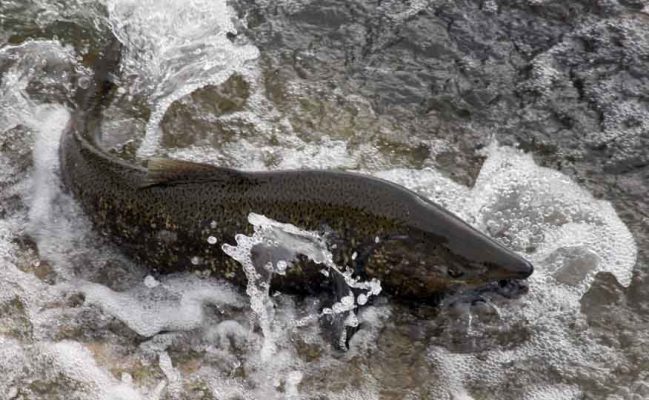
(173, 305)
(287, 241)
(34, 362)
(172, 48)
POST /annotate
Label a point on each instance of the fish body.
(175, 215)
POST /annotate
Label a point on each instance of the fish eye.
(454, 273)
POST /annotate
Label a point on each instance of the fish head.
(421, 264)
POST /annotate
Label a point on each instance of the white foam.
(51, 122)
(564, 392)
(527, 205)
(229, 332)
(77, 363)
(12, 359)
(176, 304)
(46, 61)
(174, 379)
(57, 364)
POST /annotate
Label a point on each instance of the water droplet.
(150, 282)
(281, 267)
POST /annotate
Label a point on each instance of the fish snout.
(519, 269)
(524, 269)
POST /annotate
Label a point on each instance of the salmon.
(174, 215)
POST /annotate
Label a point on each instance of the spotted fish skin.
(166, 216)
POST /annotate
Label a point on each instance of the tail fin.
(104, 64)
(90, 100)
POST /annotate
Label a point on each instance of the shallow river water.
(388, 88)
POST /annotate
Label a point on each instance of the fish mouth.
(519, 270)
(525, 270)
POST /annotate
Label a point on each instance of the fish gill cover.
(77, 320)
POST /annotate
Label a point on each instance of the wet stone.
(29, 260)
(15, 147)
(21, 22)
(199, 390)
(195, 119)
(123, 123)
(116, 273)
(14, 319)
(43, 271)
(308, 351)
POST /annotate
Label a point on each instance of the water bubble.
(84, 82)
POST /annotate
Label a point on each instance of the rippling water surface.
(239, 84)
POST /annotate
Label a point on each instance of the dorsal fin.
(166, 171)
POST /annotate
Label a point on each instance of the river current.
(80, 321)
